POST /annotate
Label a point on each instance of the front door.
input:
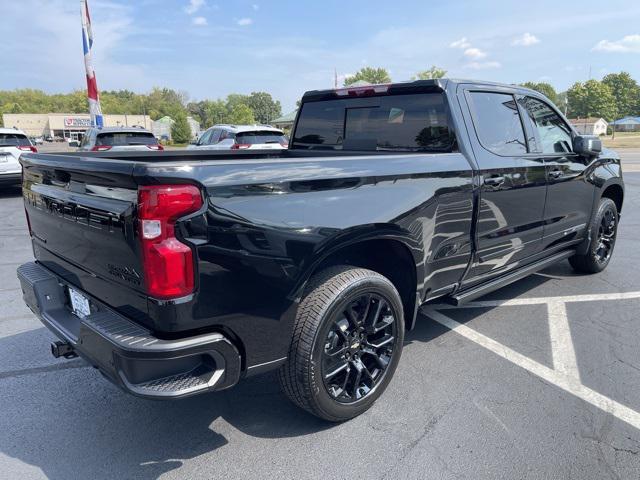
(513, 185)
(569, 193)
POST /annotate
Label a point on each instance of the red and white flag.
(92, 85)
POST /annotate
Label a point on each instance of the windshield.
(114, 139)
(414, 123)
(14, 140)
(266, 136)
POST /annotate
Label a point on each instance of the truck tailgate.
(81, 214)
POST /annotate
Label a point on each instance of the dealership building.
(68, 125)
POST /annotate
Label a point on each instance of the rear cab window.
(14, 140)
(405, 123)
(114, 139)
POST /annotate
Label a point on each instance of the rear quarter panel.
(268, 223)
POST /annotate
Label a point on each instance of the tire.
(349, 318)
(602, 232)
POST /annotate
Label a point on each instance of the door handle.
(494, 181)
(555, 173)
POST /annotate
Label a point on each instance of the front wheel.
(346, 343)
(603, 231)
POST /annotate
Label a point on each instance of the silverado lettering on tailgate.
(82, 215)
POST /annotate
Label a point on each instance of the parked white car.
(13, 143)
(241, 137)
(115, 139)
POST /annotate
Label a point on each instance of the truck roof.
(436, 84)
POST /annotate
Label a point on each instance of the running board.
(480, 290)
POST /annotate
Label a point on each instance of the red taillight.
(240, 146)
(284, 144)
(101, 148)
(168, 263)
(28, 148)
(155, 147)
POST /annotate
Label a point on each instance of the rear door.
(569, 194)
(513, 185)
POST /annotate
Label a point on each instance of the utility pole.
(335, 78)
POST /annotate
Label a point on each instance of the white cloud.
(483, 65)
(199, 21)
(194, 6)
(243, 22)
(462, 43)
(627, 44)
(525, 40)
(474, 53)
(255, 6)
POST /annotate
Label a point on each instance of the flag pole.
(92, 85)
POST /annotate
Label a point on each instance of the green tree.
(165, 101)
(544, 88)
(369, 74)
(591, 99)
(180, 130)
(241, 114)
(626, 92)
(264, 107)
(433, 72)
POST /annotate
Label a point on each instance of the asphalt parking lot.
(544, 386)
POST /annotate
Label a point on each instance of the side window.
(85, 139)
(498, 123)
(554, 133)
(215, 136)
(225, 135)
(204, 138)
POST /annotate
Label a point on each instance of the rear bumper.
(127, 353)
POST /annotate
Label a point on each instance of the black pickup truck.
(181, 272)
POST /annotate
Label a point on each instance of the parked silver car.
(118, 138)
(241, 137)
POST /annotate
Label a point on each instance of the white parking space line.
(565, 374)
(564, 355)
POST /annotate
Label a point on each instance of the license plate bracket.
(79, 303)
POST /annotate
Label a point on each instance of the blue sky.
(212, 48)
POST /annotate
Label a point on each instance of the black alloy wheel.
(602, 233)
(346, 344)
(606, 237)
(359, 347)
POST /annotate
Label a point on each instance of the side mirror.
(587, 145)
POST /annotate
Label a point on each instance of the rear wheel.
(346, 345)
(603, 231)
